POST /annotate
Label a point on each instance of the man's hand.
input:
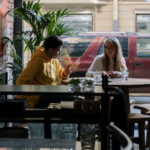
(112, 74)
(67, 70)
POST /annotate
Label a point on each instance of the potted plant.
(88, 85)
(50, 23)
(74, 85)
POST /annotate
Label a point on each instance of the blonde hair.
(118, 64)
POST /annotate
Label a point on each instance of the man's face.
(53, 53)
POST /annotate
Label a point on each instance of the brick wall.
(7, 30)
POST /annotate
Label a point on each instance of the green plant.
(16, 65)
(50, 23)
(57, 26)
(88, 82)
(74, 81)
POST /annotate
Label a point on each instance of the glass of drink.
(97, 77)
(125, 75)
(88, 136)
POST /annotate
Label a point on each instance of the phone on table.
(54, 106)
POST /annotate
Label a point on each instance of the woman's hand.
(67, 70)
(112, 74)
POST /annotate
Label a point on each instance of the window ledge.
(77, 2)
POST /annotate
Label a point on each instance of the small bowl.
(88, 88)
(74, 88)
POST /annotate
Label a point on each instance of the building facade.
(106, 15)
(102, 15)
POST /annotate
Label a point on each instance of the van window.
(143, 47)
(124, 45)
(75, 46)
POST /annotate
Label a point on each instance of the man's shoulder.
(37, 60)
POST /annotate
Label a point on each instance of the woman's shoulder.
(122, 58)
(99, 57)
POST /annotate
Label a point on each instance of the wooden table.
(37, 143)
(125, 85)
(48, 116)
(43, 143)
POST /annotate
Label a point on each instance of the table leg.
(126, 92)
(47, 128)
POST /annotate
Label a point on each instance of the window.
(79, 22)
(143, 24)
(124, 45)
(143, 47)
(75, 47)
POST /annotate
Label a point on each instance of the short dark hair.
(52, 42)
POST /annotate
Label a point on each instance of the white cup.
(97, 77)
(59, 81)
(125, 75)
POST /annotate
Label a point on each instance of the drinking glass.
(88, 136)
(125, 75)
(97, 77)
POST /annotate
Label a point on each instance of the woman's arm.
(96, 66)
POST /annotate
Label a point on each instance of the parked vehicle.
(83, 48)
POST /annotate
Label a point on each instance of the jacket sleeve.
(29, 73)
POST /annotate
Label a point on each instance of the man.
(44, 69)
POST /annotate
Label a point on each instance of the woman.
(114, 64)
(110, 61)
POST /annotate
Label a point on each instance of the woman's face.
(110, 49)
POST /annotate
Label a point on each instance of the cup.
(88, 136)
(125, 75)
(97, 77)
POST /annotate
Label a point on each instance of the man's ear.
(50, 50)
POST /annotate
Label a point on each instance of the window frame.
(137, 49)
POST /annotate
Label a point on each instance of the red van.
(83, 48)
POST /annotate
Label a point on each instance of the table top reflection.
(50, 144)
(44, 89)
(131, 82)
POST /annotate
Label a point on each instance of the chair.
(12, 104)
(120, 136)
(140, 119)
(13, 132)
(145, 109)
(132, 102)
(78, 74)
